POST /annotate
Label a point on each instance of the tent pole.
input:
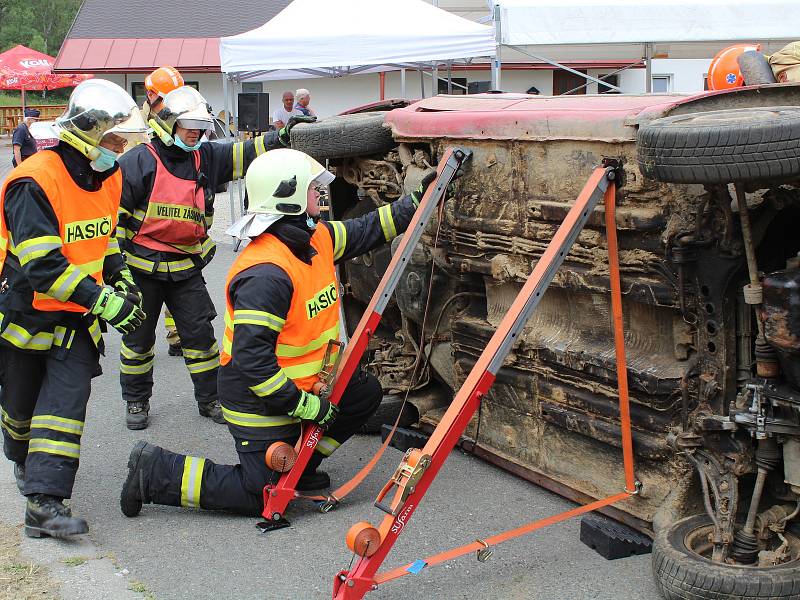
(648, 67)
(382, 76)
(421, 82)
(497, 42)
(402, 83)
(565, 68)
(434, 79)
(449, 76)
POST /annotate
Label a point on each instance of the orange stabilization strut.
(402, 495)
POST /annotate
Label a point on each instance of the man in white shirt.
(281, 116)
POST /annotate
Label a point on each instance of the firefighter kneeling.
(282, 309)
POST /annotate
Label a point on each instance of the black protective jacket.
(29, 215)
(267, 288)
(221, 161)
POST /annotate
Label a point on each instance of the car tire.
(387, 413)
(682, 574)
(723, 146)
(343, 136)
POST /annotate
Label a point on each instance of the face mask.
(105, 161)
(180, 144)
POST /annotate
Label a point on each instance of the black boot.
(313, 479)
(212, 410)
(137, 415)
(47, 516)
(19, 475)
(134, 490)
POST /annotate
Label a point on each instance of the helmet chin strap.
(161, 133)
(89, 151)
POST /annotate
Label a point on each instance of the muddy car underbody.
(698, 406)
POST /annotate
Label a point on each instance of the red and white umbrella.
(24, 68)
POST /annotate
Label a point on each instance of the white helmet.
(277, 184)
(96, 108)
(186, 107)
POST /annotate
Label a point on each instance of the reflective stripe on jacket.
(86, 222)
(313, 317)
(175, 217)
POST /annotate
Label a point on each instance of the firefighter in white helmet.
(166, 211)
(60, 272)
(281, 313)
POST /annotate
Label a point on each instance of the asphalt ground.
(171, 553)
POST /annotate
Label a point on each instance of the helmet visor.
(133, 129)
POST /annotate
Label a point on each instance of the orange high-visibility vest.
(313, 318)
(86, 220)
(175, 219)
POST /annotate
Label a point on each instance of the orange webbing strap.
(500, 537)
(609, 202)
(339, 493)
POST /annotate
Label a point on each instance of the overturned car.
(710, 268)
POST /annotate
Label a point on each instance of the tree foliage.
(38, 24)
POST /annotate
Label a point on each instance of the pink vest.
(175, 217)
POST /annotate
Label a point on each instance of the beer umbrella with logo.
(23, 68)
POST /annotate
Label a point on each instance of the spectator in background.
(281, 116)
(303, 97)
(23, 143)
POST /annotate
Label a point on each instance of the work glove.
(316, 409)
(283, 134)
(119, 312)
(417, 194)
(124, 283)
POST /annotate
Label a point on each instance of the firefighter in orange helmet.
(724, 72)
(158, 84)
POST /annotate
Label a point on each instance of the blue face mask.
(105, 161)
(180, 144)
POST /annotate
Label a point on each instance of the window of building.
(478, 87)
(252, 87)
(138, 91)
(662, 84)
(612, 79)
(459, 85)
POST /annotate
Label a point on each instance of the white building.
(123, 42)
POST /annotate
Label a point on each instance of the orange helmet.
(723, 73)
(163, 80)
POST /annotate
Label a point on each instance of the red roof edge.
(135, 55)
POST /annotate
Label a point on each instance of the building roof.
(140, 35)
(155, 19)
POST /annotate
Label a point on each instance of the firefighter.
(167, 207)
(60, 271)
(158, 84)
(281, 312)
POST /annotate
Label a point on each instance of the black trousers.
(194, 482)
(193, 311)
(43, 400)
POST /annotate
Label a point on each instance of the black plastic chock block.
(404, 438)
(611, 539)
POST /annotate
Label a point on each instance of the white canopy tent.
(321, 38)
(637, 29)
(326, 38)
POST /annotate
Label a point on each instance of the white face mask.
(105, 161)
